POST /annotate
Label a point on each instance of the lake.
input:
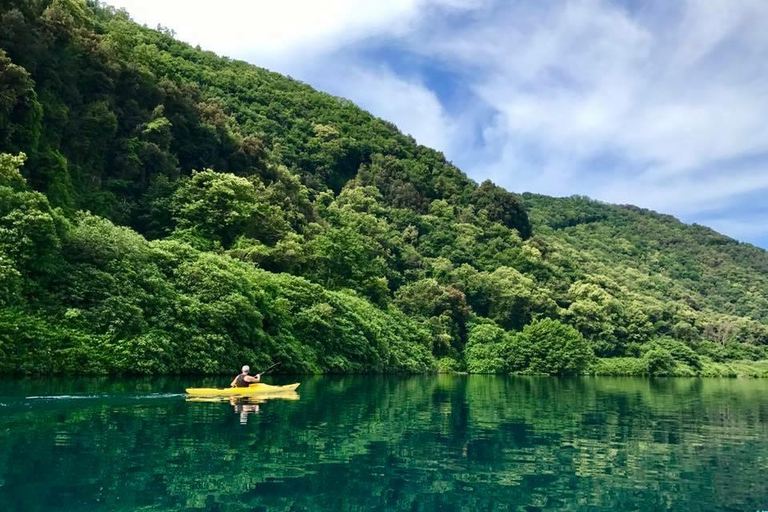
(449, 443)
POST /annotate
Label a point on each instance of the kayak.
(248, 399)
(253, 389)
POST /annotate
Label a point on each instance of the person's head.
(246, 369)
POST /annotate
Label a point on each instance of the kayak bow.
(254, 389)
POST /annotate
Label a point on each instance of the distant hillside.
(701, 266)
(174, 211)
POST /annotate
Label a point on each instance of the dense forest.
(167, 210)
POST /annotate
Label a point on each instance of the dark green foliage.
(501, 206)
(20, 112)
(235, 214)
(444, 308)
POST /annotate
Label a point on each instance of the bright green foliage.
(136, 306)
(620, 366)
(219, 206)
(550, 347)
(506, 295)
(680, 352)
(488, 349)
(448, 365)
(10, 174)
(656, 276)
(486, 358)
(235, 214)
(28, 229)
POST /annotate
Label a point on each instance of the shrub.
(486, 358)
(548, 346)
(487, 349)
(448, 365)
(660, 361)
(623, 366)
(681, 352)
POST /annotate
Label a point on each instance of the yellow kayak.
(250, 399)
(253, 389)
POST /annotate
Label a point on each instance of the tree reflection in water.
(394, 444)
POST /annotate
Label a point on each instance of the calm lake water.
(387, 443)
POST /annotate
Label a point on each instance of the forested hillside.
(166, 210)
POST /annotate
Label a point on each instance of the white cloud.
(379, 90)
(673, 102)
(270, 28)
(417, 109)
(269, 31)
(690, 194)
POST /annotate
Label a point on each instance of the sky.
(657, 103)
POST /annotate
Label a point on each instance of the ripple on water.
(422, 443)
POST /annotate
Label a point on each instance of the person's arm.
(234, 381)
(255, 378)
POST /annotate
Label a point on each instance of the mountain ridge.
(251, 217)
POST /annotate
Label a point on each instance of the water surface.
(449, 443)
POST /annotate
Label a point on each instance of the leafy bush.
(447, 365)
(550, 347)
(680, 352)
(487, 349)
(659, 362)
(620, 366)
(488, 358)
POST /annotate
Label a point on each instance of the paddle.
(268, 369)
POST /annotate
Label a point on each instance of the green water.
(387, 443)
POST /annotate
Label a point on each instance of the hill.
(166, 210)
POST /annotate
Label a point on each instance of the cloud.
(417, 109)
(588, 78)
(656, 108)
(270, 31)
(270, 28)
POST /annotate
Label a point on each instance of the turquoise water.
(449, 443)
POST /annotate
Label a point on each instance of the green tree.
(222, 206)
(488, 349)
(501, 206)
(445, 309)
(550, 347)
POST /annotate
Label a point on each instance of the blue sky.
(654, 103)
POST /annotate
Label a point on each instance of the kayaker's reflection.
(244, 407)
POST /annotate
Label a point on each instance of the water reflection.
(396, 444)
(245, 405)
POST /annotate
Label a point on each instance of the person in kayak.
(244, 380)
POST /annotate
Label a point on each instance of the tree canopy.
(167, 210)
